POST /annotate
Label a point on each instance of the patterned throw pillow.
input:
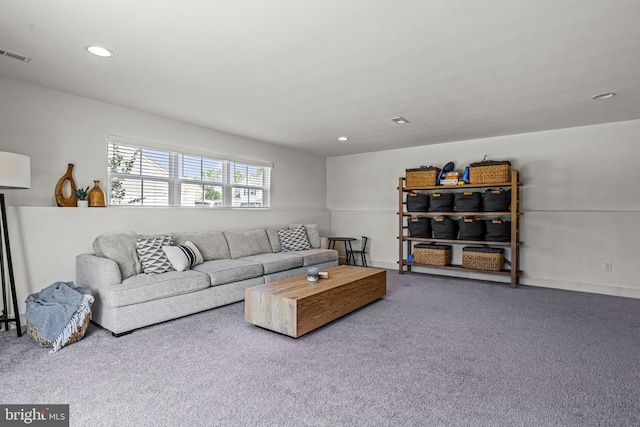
(294, 239)
(313, 233)
(151, 255)
(183, 257)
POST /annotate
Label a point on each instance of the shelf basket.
(482, 258)
(490, 172)
(422, 177)
(425, 253)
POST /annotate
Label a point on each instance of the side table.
(347, 245)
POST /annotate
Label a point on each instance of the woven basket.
(32, 331)
(481, 258)
(490, 172)
(422, 177)
(432, 254)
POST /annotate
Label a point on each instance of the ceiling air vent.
(14, 55)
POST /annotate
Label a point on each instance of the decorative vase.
(61, 200)
(96, 196)
(83, 203)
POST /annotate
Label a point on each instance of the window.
(143, 176)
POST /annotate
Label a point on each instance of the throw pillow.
(313, 233)
(294, 239)
(183, 257)
(151, 255)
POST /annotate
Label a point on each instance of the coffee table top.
(298, 287)
(294, 306)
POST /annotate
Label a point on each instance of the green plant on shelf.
(82, 193)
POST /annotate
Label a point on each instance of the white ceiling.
(301, 73)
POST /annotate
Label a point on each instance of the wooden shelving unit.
(405, 241)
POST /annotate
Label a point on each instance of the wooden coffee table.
(295, 306)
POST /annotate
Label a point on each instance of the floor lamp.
(15, 173)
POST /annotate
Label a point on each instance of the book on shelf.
(449, 181)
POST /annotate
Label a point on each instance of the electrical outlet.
(608, 266)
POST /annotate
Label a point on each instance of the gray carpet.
(435, 351)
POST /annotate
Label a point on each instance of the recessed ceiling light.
(99, 51)
(343, 138)
(604, 96)
(399, 120)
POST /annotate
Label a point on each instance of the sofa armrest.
(96, 273)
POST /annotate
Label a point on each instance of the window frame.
(178, 161)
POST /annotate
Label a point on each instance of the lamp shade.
(15, 171)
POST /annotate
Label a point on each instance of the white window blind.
(144, 176)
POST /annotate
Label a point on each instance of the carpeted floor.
(435, 351)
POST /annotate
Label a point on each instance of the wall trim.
(592, 288)
(539, 282)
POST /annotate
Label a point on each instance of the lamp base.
(5, 323)
(5, 250)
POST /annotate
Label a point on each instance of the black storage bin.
(498, 230)
(468, 201)
(417, 202)
(419, 227)
(444, 228)
(497, 200)
(471, 229)
(441, 202)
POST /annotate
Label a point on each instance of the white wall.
(579, 198)
(56, 128)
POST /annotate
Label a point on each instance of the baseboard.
(593, 288)
(382, 264)
(373, 263)
(542, 282)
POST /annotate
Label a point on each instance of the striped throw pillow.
(183, 257)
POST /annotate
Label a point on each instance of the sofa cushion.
(145, 287)
(223, 271)
(121, 248)
(273, 263)
(248, 242)
(274, 240)
(294, 240)
(317, 256)
(152, 257)
(313, 233)
(212, 244)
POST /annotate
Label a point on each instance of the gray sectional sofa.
(126, 298)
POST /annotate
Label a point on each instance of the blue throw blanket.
(57, 311)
